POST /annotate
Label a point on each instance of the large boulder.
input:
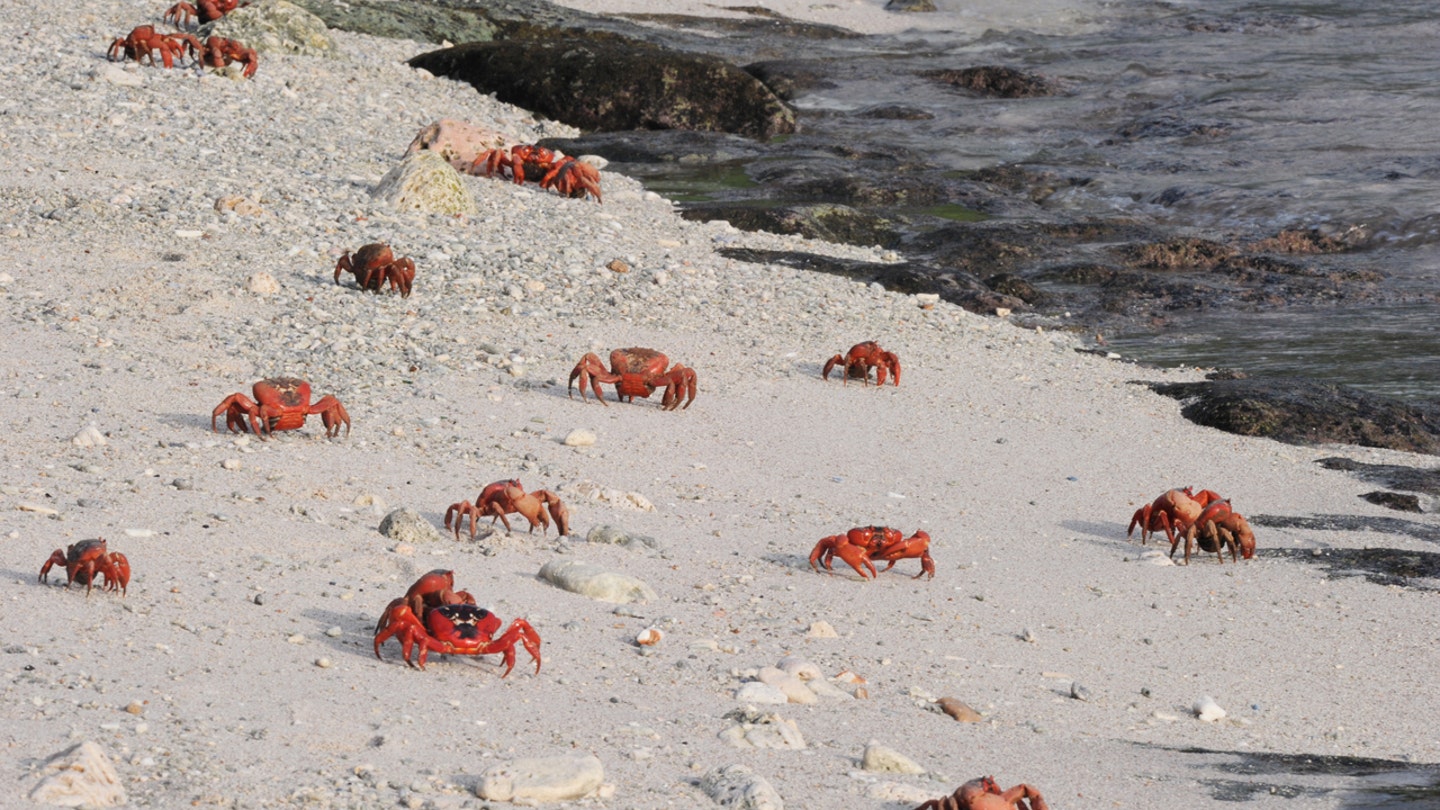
(616, 83)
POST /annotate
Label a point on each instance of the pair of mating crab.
(508, 497)
(568, 176)
(1199, 518)
(434, 617)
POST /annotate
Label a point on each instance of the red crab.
(573, 178)
(636, 372)
(863, 544)
(143, 41)
(452, 625)
(85, 559)
(985, 794)
(374, 264)
(220, 52)
(860, 359)
(284, 402)
(207, 11)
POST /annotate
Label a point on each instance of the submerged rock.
(993, 80)
(616, 83)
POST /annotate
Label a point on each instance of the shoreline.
(130, 303)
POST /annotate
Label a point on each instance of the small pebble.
(323, 663)
(231, 464)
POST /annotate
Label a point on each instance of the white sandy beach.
(238, 670)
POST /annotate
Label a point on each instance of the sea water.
(1225, 119)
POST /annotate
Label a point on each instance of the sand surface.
(238, 671)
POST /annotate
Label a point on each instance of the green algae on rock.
(425, 181)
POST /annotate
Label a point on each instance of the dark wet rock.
(790, 79)
(1391, 476)
(961, 289)
(1382, 566)
(1351, 523)
(990, 247)
(1398, 501)
(832, 223)
(910, 6)
(616, 84)
(993, 80)
(1080, 273)
(894, 112)
(1306, 413)
(1014, 286)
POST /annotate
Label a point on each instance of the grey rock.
(739, 788)
(407, 526)
(542, 779)
(881, 758)
(595, 582)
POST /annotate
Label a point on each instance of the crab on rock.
(985, 794)
(636, 372)
(143, 41)
(861, 358)
(220, 52)
(87, 558)
(434, 617)
(281, 403)
(206, 11)
(374, 265)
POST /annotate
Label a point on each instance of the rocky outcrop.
(615, 83)
(1307, 413)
